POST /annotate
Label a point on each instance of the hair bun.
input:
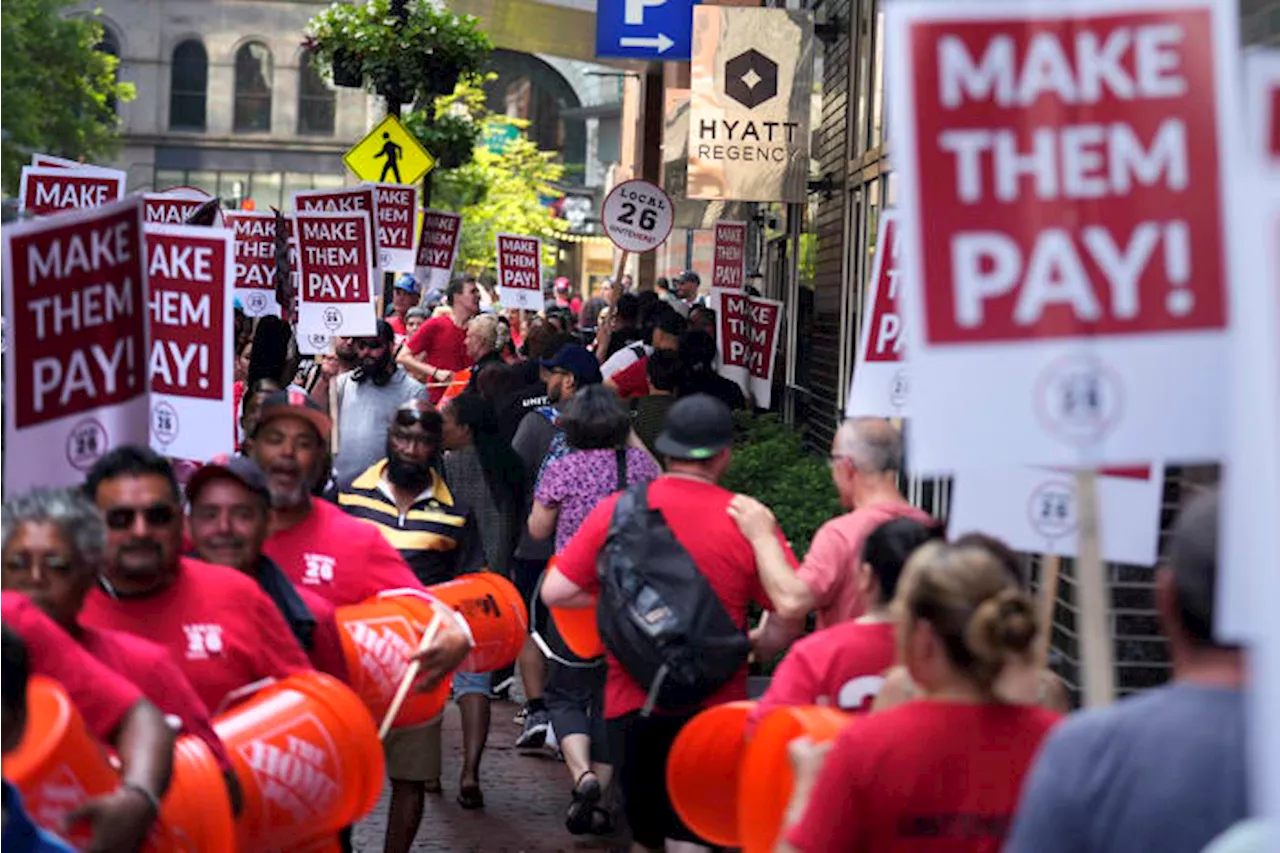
(1003, 625)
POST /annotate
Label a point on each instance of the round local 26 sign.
(637, 216)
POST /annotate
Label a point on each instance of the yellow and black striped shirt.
(437, 536)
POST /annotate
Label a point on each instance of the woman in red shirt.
(941, 772)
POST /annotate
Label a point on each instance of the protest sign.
(173, 206)
(363, 197)
(880, 386)
(336, 293)
(255, 260)
(1036, 510)
(76, 357)
(520, 272)
(55, 189)
(438, 249)
(748, 339)
(189, 273)
(396, 207)
(637, 216)
(1066, 174)
(48, 160)
(729, 264)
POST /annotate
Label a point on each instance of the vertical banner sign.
(879, 387)
(748, 338)
(1035, 510)
(343, 201)
(75, 366)
(520, 272)
(396, 207)
(438, 248)
(752, 92)
(336, 297)
(189, 271)
(1066, 173)
(172, 207)
(255, 260)
(729, 266)
(55, 189)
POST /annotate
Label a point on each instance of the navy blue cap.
(577, 360)
(407, 282)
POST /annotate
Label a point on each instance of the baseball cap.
(562, 283)
(690, 275)
(578, 361)
(407, 282)
(294, 404)
(698, 427)
(242, 469)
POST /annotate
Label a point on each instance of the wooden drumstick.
(410, 675)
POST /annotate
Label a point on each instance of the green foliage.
(456, 122)
(420, 57)
(770, 464)
(58, 92)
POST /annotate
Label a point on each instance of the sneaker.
(534, 734)
(520, 716)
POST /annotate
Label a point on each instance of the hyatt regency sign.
(752, 81)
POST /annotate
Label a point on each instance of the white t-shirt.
(624, 358)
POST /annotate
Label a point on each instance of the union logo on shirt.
(859, 693)
(203, 640)
(319, 569)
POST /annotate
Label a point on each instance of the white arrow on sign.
(660, 42)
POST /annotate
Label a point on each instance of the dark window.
(253, 88)
(315, 101)
(188, 86)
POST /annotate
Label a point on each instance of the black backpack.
(658, 615)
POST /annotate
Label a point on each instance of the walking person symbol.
(392, 152)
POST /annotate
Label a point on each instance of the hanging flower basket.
(347, 71)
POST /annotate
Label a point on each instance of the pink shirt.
(836, 551)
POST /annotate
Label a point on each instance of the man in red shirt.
(115, 712)
(866, 458)
(438, 348)
(697, 442)
(230, 509)
(53, 545)
(223, 631)
(403, 297)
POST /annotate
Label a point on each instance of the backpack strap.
(622, 468)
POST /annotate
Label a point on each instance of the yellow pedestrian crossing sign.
(389, 154)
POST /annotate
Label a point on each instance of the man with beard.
(230, 508)
(222, 630)
(405, 495)
(364, 400)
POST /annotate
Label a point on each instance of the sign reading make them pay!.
(637, 216)
(1074, 266)
(389, 154)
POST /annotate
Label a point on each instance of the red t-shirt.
(925, 776)
(397, 325)
(326, 644)
(99, 693)
(698, 515)
(338, 557)
(841, 667)
(217, 623)
(633, 380)
(440, 343)
(157, 675)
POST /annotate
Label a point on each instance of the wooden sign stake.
(1050, 568)
(1096, 653)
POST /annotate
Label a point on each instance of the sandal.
(602, 822)
(586, 793)
(470, 797)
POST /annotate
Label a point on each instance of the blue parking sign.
(644, 29)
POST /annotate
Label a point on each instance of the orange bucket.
(58, 765)
(195, 814)
(459, 384)
(379, 639)
(495, 610)
(765, 784)
(576, 626)
(308, 757)
(702, 771)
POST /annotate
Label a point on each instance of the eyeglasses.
(428, 419)
(122, 517)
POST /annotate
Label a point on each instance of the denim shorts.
(467, 683)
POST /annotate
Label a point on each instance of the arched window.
(315, 101)
(253, 88)
(110, 44)
(188, 86)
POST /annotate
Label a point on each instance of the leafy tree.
(59, 93)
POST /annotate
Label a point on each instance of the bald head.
(874, 445)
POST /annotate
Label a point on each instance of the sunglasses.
(428, 419)
(122, 517)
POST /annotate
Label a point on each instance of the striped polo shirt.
(437, 536)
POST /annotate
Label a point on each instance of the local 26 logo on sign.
(751, 78)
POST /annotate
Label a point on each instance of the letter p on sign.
(634, 11)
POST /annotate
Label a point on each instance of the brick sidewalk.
(525, 798)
